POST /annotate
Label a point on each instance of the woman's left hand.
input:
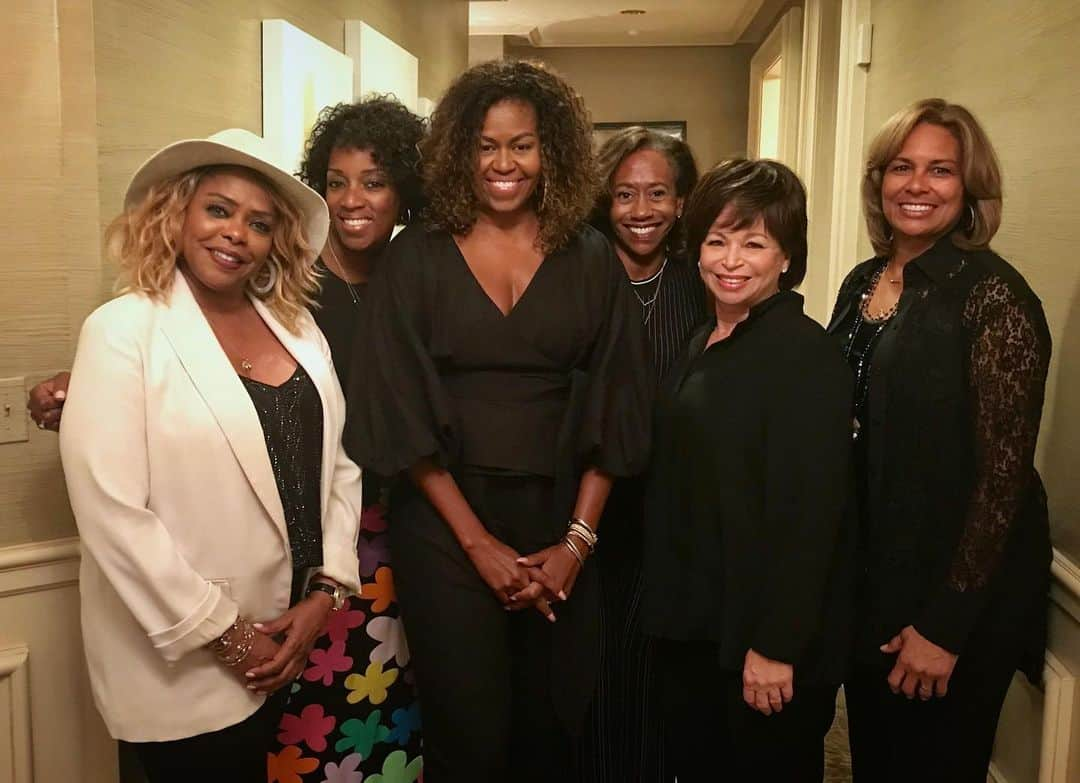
(558, 568)
(301, 625)
(921, 666)
(767, 684)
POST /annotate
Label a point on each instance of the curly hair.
(621, 146)
(568, 167)
(381, 125)
(979, 169)
(144, 239)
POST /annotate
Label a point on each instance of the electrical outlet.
(13, 414)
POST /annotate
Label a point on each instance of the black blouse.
(955, 513)
(560, 383)
(747, 532)
(675, 314)
(291, 416)
(338, 316)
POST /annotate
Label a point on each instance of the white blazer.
(181, 523)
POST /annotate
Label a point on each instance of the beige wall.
(94, 88)
(48, 248)
(1014, 65)
(165, 73)
(708, 86)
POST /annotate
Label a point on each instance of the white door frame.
(785, 41)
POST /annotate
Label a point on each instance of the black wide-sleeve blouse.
(561, 383)
(954, 519)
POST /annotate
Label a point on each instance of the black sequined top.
(292, 421)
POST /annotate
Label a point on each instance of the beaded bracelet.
(235, 644)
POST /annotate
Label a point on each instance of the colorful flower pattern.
(353, 716)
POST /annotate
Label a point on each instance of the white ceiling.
(599, 23)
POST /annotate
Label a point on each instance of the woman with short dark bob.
(747, 566)
(506, 383)
(645, 179)
(950, 350)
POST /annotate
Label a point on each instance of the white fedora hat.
(234, 147)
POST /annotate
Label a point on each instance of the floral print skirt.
(353, 715)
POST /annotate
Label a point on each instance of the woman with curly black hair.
(364, 159)
(354, 709)
(507, 376)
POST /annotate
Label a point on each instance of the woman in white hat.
(202, 451)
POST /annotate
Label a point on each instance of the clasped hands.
(522, 582)
(271, 664)
(767, 684)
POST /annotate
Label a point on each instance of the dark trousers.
(236, 754)
(947, 739)
(483, 673)
(713, 735)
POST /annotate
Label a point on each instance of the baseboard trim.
(16, 748)
(42, 565)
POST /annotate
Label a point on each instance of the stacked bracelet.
(569, 544)
(584, 531)
(580, 530)
(235, 644)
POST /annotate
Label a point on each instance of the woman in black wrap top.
(507, 372)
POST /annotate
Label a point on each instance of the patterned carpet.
(837, 755)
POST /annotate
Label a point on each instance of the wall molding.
(16, 748)
(1066, 573)
(1059, 701)
(41, 565)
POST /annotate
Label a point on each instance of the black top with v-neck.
(291, 416)
(564, 376)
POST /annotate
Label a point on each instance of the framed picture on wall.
(602, 131)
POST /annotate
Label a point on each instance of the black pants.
(948, 739)
(713, 735)
(236, 754)
(483, 673)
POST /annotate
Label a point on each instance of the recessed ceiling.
(600, 23)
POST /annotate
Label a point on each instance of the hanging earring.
(405, 217)
(971, 220)
(543, 196)
(262, 289)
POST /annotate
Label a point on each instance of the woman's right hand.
(263, 650)
(46, 401)
(497, 565)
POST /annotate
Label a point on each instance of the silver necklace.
(341, 269)
(648, 305)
